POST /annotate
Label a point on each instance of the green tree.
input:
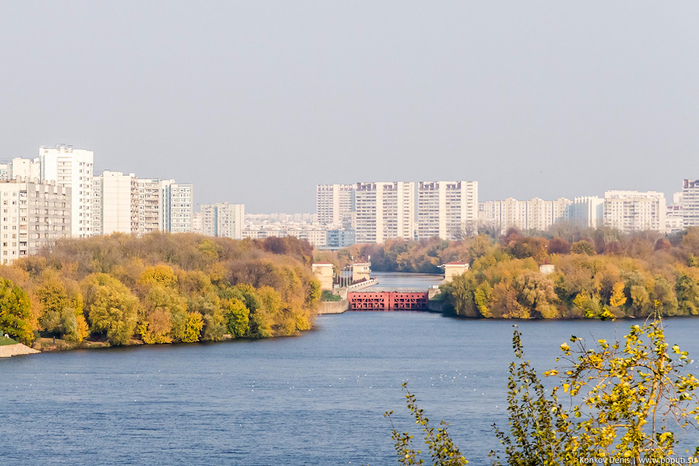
(537, 428)
(583, 247)
(313, 295)
(238, 319)
(687, 290)
(214, 326)
(165, 313)
(439, 444)
(61, 309)
(15, 313)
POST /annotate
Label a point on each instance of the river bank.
(17, 349)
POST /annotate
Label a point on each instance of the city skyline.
(528, 104)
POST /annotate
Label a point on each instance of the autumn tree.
(583, 247)
(111, 308)
(238, 319)
(15, 312)
(61, 309)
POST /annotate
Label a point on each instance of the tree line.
(595, 270)
(631, 276)
(159, 288)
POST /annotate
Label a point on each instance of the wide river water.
(313, 399)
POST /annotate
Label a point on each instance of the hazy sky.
(257, 102)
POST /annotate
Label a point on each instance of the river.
(313, 399)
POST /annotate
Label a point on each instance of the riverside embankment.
(17, 349)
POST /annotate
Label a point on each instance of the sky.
(256, 102)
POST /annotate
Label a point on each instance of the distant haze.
(257, 102)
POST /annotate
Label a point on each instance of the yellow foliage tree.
(618, 297)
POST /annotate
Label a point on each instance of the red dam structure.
(388, 301)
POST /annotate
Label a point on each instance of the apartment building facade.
(630, 211)
(178, 206)
(447, 209)
(33, 215)
(72, 168)
(587, 211)
(115, 203)
(335, 205)
(384, 210)
(690, 203)
(223, 220)
(533, 215)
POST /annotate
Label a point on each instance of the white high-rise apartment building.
(33, 216)
(447, 209)
(149, 205)
(115, 203)
(587, 211)
(197, 223)
(630, 211)
(127, 204)
(542, 214)
(535, 214)
(384, 210)
(335, 204)
(178, 206)
(501, 215)
(223, 220)
(72, 168)
(26, 169)
(690, 203)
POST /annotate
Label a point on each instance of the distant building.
(115, 203)
(323, 271)
(150, 205)
(223, 220)
(587, 211)
(335, 205)
(197, 223)
(72, 168)
(317, 236)
(34, 215)
(447, 209)
(178, 206)
(338, 239)
(535, 214)
(26, 169)
(384, 210)
(674, 219)
(630, 211)
(690, 203)
(314, 234)
(361, 271)
(454, 269)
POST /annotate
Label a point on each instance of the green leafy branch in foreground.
(441, 447)
(623, 401)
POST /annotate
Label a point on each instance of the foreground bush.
(625, 403)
